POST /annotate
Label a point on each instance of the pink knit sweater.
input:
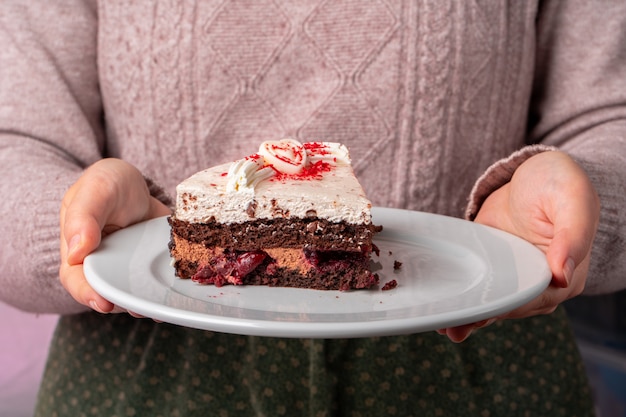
(427, 95)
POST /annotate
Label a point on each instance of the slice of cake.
(291, 215)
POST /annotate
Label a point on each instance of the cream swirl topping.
(245, 174)
(287, 155)
(329, 152)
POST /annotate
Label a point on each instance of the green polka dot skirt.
(116, 365)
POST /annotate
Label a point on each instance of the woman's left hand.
(551, 203)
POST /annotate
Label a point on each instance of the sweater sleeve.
(579, 106)
(50, 129)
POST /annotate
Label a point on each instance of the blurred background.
(24, 340)
(599, 323)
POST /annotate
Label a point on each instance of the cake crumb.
(397, 265)
(390, 285)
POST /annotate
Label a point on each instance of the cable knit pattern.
(427, 95)
(379, 76)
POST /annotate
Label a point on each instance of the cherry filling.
(229, 268)
(349, 268)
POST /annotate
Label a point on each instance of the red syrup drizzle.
(299, 155)
(310, 172)
(254, 157)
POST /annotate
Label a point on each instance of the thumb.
(573, 207)
(80, 235)
(574, 232)
(83, 236)
(110, 195)
(83, 222)
(84, 228)
(562, 259)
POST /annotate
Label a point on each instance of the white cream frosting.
(285, 179)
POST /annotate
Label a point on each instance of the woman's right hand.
(110, 195)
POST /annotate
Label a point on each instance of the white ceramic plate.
(453, 272)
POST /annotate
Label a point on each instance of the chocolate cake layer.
(315, 234)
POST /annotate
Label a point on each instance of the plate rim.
(316, 329)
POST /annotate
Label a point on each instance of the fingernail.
(73, 244)
(486, 323)
(136, 315)
(95, 306)
(568, 270)
(464, 337)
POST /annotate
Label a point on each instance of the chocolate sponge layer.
(314, 234)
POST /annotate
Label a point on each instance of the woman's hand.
(110, 195)
(551, 203)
